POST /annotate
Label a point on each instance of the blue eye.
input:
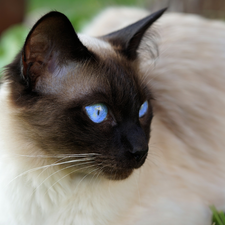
(143, 109)
(97, 113)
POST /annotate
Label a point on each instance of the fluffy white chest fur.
(184, 173)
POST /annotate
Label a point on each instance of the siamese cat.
(122, 128)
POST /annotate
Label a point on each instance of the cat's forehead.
(75, 78)
(107, 73)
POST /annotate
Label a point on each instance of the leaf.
(218, 217)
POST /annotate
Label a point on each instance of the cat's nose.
(136, 142)
(139, 155)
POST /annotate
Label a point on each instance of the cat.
(124, 128)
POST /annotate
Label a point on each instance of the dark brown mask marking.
(55, 76)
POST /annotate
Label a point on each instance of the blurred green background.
(78, 11)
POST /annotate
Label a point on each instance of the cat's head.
(81, 98)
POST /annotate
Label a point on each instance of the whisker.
(50, 166)
(47, 166)
(54, 156)
(66, 176)
(63, 159)
(100, 171)
(85, 177)
(60, 171)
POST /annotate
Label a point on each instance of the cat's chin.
(118, 174)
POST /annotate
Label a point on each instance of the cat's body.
(184, 173)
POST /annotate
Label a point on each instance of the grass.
(218, 217)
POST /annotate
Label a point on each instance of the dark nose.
(135, 139)
(139, 155)
(138, 144)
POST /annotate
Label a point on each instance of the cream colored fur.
(185, 171)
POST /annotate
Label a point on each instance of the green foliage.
(218, 217)
(78, 11)
(10, 44)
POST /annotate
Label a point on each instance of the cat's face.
(82, 99)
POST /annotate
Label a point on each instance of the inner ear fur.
(51, 42)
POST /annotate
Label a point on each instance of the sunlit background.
(24, 13)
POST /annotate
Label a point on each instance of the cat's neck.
(82, 199)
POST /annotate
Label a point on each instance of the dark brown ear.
(127, 40)
(50, 44)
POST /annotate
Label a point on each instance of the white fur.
(30, 196)
(185, 171)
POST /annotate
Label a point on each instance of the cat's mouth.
(123, 169)
(109, 168)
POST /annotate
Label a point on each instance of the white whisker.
(85, 177)
(100, 171)
(54, 156)
(85, 163)
(50, 166)
(47, 166)
(66, 176)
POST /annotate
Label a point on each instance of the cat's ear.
(127, 40)
(50, 44)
